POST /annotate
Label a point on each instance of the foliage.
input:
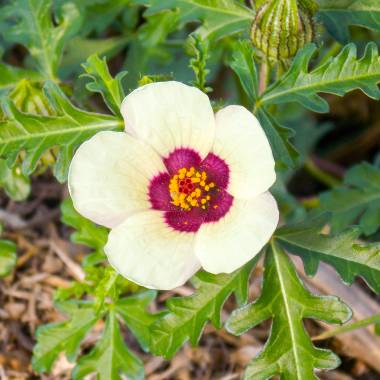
(102, 296)
(103, 83)
(63, 67)
(338, 15)
(357, 199)
(187, 316)
(344, 252)
(29, 22)
(338, 75)
(289, 351)
(219, 18)
(35, 134)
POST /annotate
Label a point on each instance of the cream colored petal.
(109, 177)
(242, 143)
(229, 243)
(145, 250)
(170, 115)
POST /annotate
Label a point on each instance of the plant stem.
(375, 319)
(263, 80)
(319, 174)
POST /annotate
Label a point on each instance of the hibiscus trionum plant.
(175, 170)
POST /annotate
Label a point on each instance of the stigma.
(190, 188)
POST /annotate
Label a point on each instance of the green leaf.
(357, 199)
(187, 316)
(34, 134)
(338, 75)
(289, 352)
(8, 256)
(52, 339)
(86, 232)
(199, 62)
(16, 185)
(133, 309)
(245, 68)
(103, 83)
(110, 358)
(338, 15)
(284, 152)
(29, 97)
(30, 23)
(218, 18)
(344, 252)
(11, 75)
(146, 52)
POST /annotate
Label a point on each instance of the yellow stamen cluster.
(189, 187)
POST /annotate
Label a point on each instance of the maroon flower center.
(193, 191)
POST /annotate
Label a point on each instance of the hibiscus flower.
(180, 189)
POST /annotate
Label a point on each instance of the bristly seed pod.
(282, 27)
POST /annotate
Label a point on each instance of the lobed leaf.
(103, 83)
(133, 310)
(338, 15)
(289, 352)
(344, 252)
(111, 358)
(338, 75)
(54, 338)
(358, 198)
(30, 23)
(34, 134)
(219, 18)
(187, 316)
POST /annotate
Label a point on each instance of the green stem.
(319, 174)
(375, 319)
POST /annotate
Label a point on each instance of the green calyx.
(282, 27)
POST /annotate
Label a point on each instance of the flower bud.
(282, 27)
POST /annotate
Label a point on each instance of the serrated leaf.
(187, 316)
(102, 82)
(30, 23)
(86, 232)
(133, 310)
(344, 252)
(358, 199)
(34, 134)
(54, 338)
(8, 256)
(338, 75)
(338, 15)
(111, 358)
(289, 352)
(219, 18)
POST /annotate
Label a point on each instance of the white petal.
(229, 243)
(242, 143)
(169, 115)
(145, 250)
(109, 177)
